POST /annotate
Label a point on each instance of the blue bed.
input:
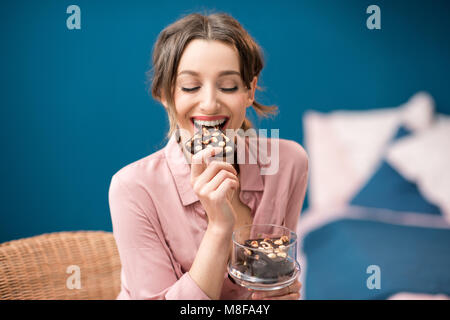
(389, 227)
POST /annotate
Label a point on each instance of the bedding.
(379, 195)
(388, 189)
(344, 147)
(410, 258)
(425, 160)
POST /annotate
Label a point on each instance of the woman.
(173, 213)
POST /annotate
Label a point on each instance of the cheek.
(237, 102)
(182, 105)
(240, 106)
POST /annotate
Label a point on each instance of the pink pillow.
(345, 147)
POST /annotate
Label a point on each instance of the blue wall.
(74, 105)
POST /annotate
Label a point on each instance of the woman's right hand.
(214, 183)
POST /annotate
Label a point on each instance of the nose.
(208, 104)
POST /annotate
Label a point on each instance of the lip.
(210, 118)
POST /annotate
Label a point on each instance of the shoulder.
(291, 152)
(138, 176)
(292, 157)
(134, 188)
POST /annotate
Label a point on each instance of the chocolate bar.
(208, 137)
(268, 259)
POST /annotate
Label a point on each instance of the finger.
(212, 170)
(223, 188)
(291, 296)
(217, 180)
(199, 160)
(293, 288)
(268, 294)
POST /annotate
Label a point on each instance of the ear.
(163, 100)
(251, 91)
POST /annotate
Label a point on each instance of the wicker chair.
(37, 268)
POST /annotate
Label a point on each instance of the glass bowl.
(264, 257)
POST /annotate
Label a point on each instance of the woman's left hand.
(291, 292)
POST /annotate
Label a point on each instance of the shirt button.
(246, 196)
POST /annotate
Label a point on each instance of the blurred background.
(75, 106)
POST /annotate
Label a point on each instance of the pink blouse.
(158, 221)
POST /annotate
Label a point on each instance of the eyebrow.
(221, 74)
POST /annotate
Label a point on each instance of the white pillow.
(345, 147)
(424, 158)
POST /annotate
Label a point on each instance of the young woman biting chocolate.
(174, 211)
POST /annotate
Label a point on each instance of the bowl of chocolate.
(264, 257)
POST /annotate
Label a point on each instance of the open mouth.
(220, 124)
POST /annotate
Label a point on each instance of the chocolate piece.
(267, 259)
(208, 137)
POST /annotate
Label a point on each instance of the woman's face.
(209, 87)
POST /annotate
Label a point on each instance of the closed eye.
(196, 88)
(229, 89)
(189, 89)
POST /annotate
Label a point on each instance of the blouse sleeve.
(147, 265)
(297, 188)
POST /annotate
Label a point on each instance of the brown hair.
(173, 40)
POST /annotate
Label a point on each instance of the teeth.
(210, 123)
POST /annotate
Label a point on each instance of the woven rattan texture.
(36, 268)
